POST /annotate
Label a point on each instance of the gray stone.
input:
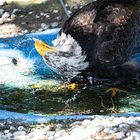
(48, 16)
(21, 128)
(6, 131)
(19, 133)
(136, 135)
(1, 12)
(2, 2)
(96, 129)
(12, 128)
(59, 126)
(40, 30)
(15, 11)
(59, 18)
(13, 16)
(44, 26)
(86, 122)
(69, 12)
(1, 22)
(6, 15)
(124, 127)
(55, 11)
(25, 31)
(50, 138)
(129, 138)
(37, 16)
(9, 135)
(120, 135)
(33, 31)
(54, 24)
(42, 14)
(50, 133)
(30, 13)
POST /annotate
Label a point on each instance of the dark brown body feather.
(109, 33)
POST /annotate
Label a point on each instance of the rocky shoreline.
(97, 128)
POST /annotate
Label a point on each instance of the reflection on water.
(88, 99)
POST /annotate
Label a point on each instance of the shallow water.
(53, 99)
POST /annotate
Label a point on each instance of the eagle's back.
(107, 30)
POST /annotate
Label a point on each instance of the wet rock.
(2, 2)
(1, 12)
(54, 24)
(6, 15)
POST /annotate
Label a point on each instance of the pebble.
(69, 12)
(1, 22)
(30, 13)
(15, 11)
(44, 26)
(41, 29)
(59, 18)
(54, 24)
(87, 129)
(13, 16)
(1, 12)
(2, 2)
(86, 122)
(21, 128)
(37, 16)
(135, 134)
(120, 135)
(55, 11)
(48, 16)
(6, 15)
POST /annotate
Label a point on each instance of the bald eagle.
(102, 38)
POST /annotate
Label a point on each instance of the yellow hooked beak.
(42, 47)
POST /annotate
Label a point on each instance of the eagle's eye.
(14, 61)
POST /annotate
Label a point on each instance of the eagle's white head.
(66, 57)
